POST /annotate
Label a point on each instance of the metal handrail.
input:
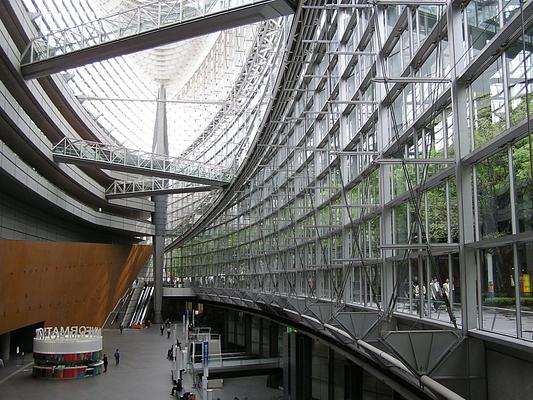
(148, 17)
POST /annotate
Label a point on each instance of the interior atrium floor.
(143, 373)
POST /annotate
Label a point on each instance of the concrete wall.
(20, 221)
(508, 376)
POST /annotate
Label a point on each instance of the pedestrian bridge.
(153, 24)
(228, 365)
(118, 158)
(178, 292)
(152, 187)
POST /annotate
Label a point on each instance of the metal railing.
(135, 21)
(223, 361)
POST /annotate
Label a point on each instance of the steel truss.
(279, 224)
(83, 152)
(254, 68)
(244, 106)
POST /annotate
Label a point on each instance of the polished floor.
(143, 373)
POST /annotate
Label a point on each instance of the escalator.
(116, 317)
(141, 307)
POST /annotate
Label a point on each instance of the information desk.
(67, 353)
(67, 372)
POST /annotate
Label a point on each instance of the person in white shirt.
(435, 293)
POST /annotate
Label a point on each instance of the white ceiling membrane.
(172, 64)
(209, 64)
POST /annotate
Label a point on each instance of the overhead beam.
(175, 101)
(37, 61)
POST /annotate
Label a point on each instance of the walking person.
(121, 327)
(446, 288)
(117, 357)
(177, 389)
(168, 333)
(162, 329)
(105, 362)
(419, 296)
(435, 293)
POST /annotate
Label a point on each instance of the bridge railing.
(156, 15)
(101, 153)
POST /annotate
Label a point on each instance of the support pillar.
(300, 367)
(273, 348)
(463, 177)
(297, 362)
(353, 382)
(225, 332)
(5, 341)
(159, 254)
(397, 396)
(248, 333)
(159, 217)
(331, 374)
(287, 350)
(261, 338)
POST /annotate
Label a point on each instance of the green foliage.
(507, 301)
(493, 186)
(487, 123)
(438, 221)
(499, 301)
(518, 108)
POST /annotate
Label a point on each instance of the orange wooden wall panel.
(64, 283)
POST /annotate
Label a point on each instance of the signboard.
(205, 353)
(291, 329)
(67, 333)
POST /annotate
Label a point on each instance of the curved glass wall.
(400, 179)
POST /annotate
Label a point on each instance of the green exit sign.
(291, 329)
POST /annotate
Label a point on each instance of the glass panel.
(516, 79)
(454, 217)
(374, 225)
(373, 285)
(420, 294)
(483, 23)
(356, 285)
(427, 19)
(498, 290)
(392, 14)
(511, 8)
(394, 65)
(494, 201)
(449, 133)
(523, 182)
(438, 272)
(525, 265)
(403, 287)
(488, 114)
(401, 229)
(454, 287)
(438, 211)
